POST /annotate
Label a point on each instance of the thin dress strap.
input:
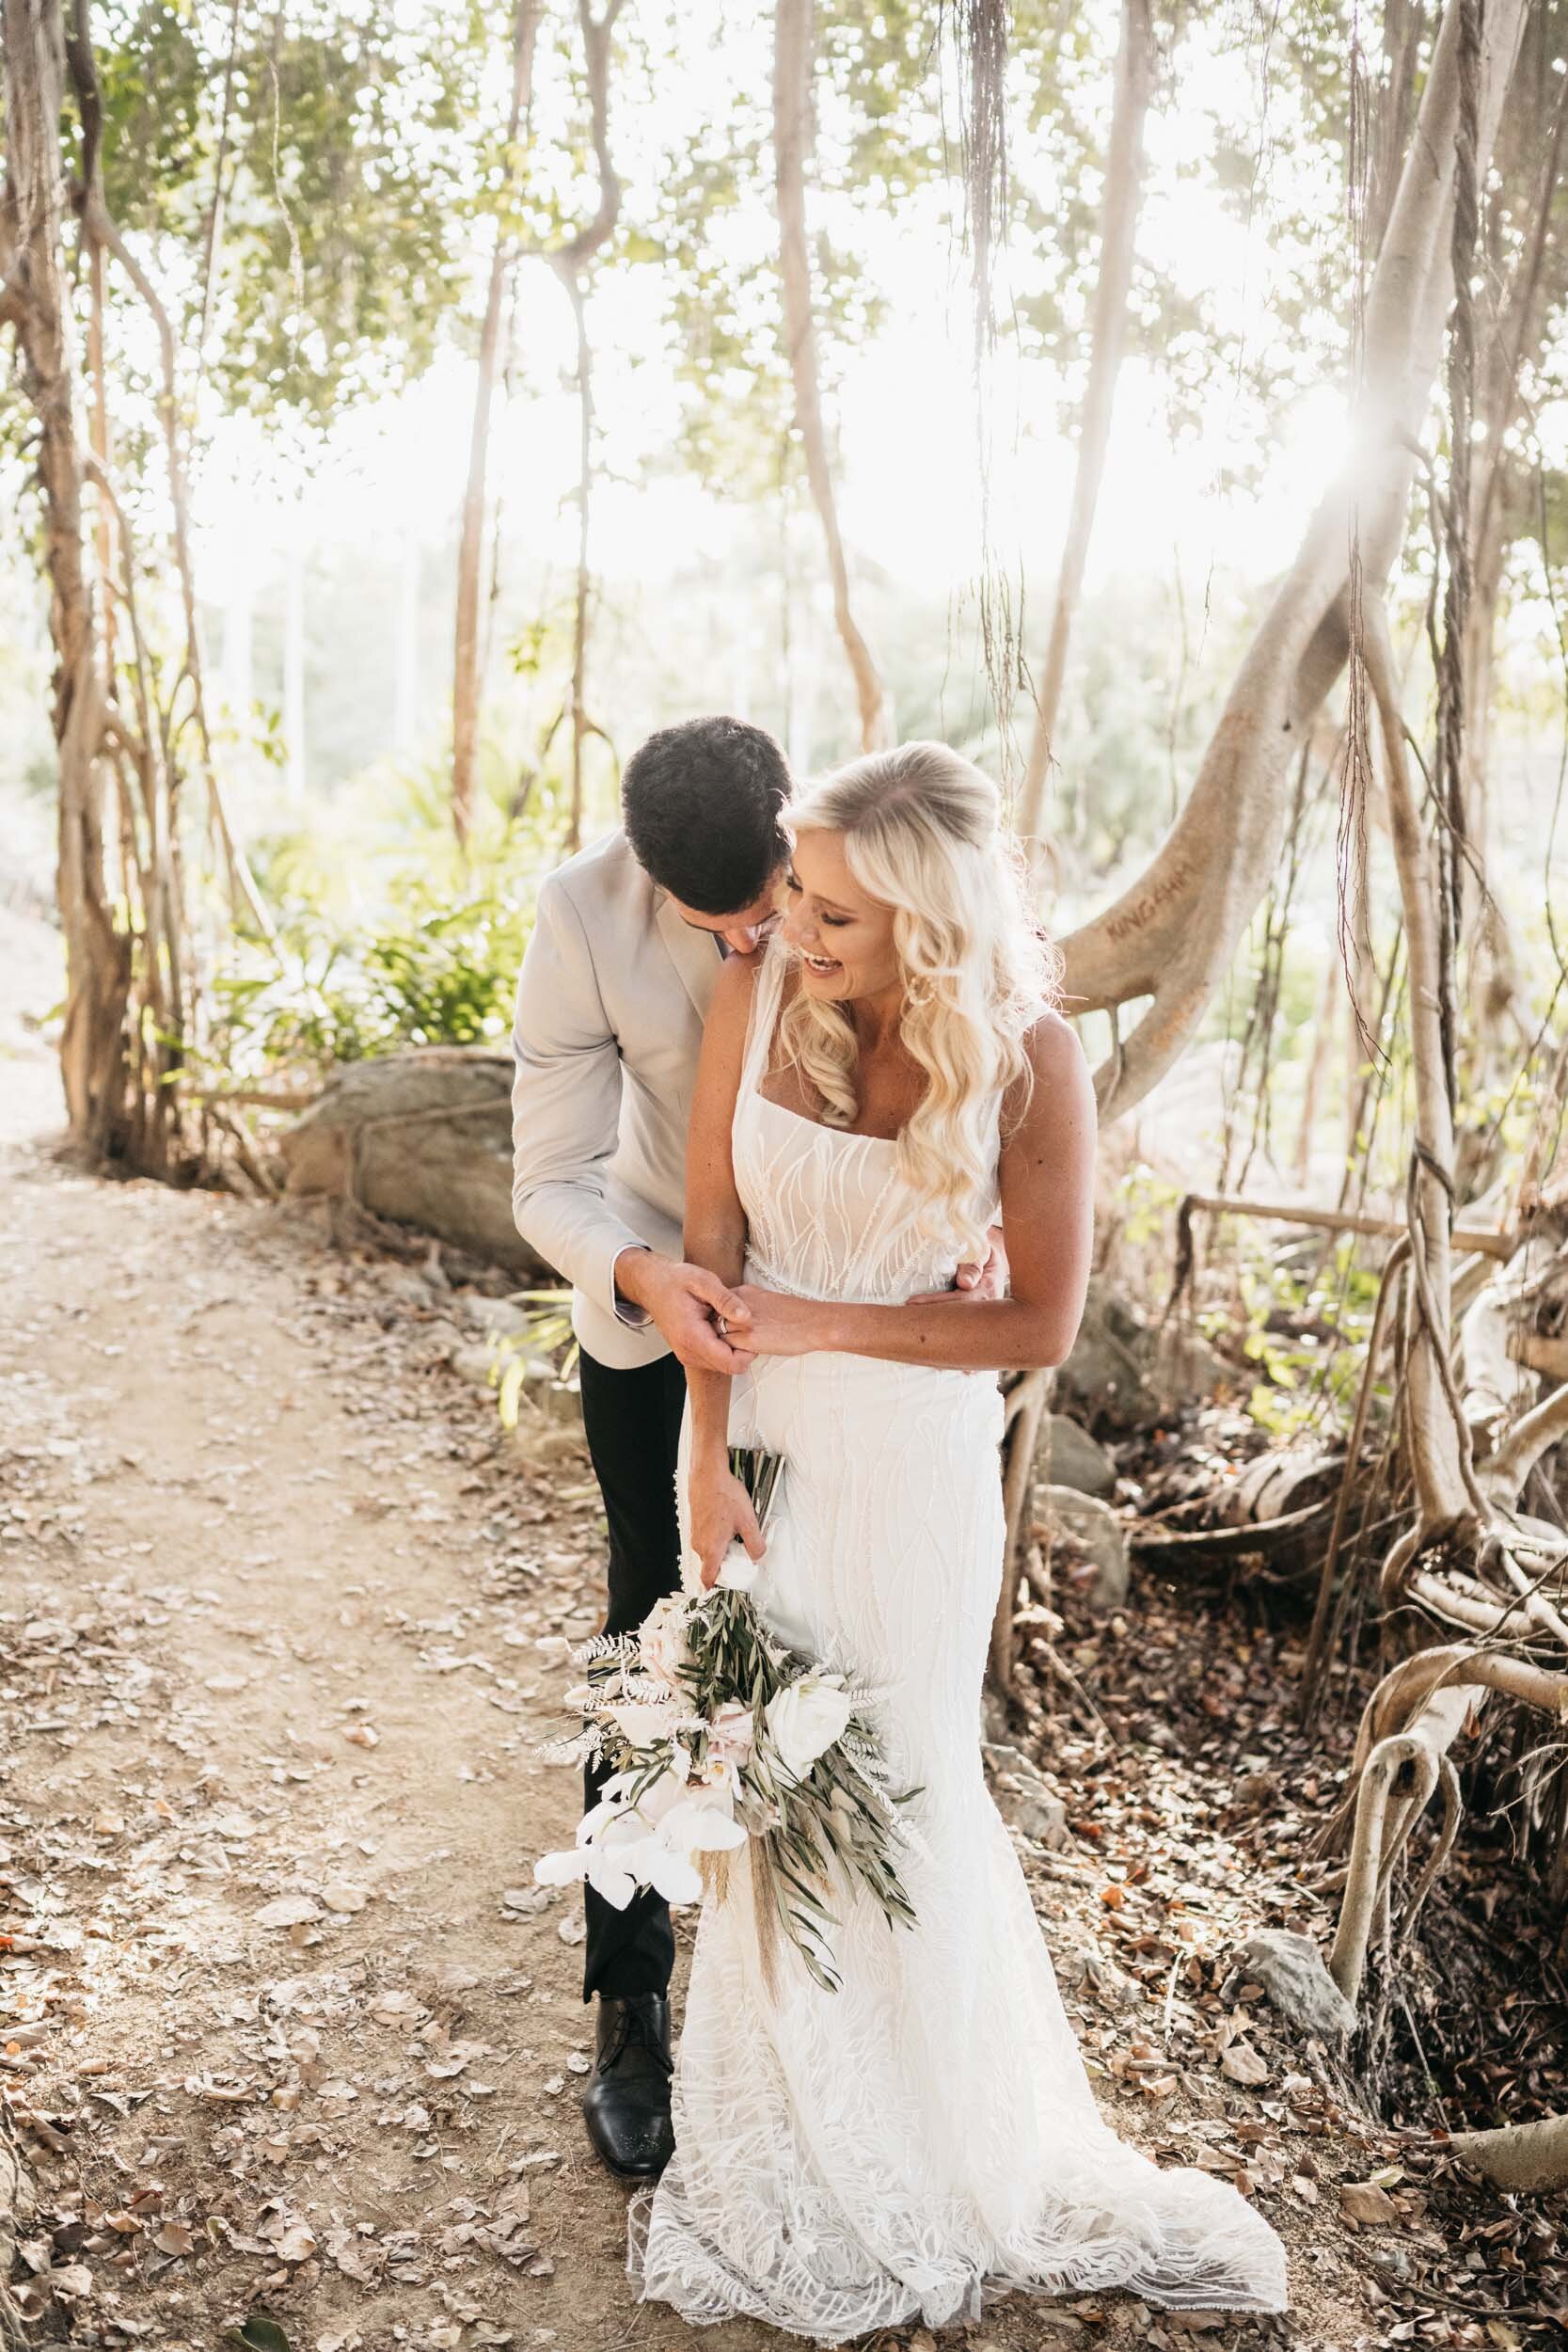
(766, 989)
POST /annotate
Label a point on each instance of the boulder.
(423, 1137)
(543, 1390)
(1022, 1797)
(1094, 1530)
(1067, 1456)
(1125, 1372)
(1183, 1364)
(1104, 1371)
(1292, 1971)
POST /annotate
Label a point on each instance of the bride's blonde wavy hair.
(922, 833)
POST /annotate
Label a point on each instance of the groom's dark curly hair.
(703, 804)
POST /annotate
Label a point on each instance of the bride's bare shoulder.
(1053, 1046)
(1057, 1089)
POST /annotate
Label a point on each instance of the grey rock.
(1184, 1365)
(1128, 1371)
(1292, 1971)
(404, 1283)
(494, 1318)
(558, 1400)
(1102, 1370)
(1069, 1456)
(1036, 1813)
(1022, 1798)
(543, 1389)
(423, 1137)
(1096, 1531)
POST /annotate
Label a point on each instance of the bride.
(872, 1090)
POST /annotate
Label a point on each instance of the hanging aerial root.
(1409, 1723)
(1454, 1814)
(1408, 1765)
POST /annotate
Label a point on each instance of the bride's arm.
(1047, 1185)
(715, 1237)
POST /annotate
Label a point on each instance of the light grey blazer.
(610, 1003)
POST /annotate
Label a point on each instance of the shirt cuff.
(625, 1309)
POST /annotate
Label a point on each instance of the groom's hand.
(685, 1301)
(989, 1280)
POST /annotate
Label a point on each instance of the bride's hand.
(782, 1326)
(722, 1514)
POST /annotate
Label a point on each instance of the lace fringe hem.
(704, 2291)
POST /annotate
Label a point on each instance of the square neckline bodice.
(766, 1005)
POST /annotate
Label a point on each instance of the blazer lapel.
(693, 953)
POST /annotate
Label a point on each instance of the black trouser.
(633, 1423)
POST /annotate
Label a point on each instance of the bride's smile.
(843, 940)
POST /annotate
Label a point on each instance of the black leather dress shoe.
(626, 2103)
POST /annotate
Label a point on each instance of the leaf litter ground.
(290, 2044)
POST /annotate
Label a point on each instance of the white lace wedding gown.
(877, 2157)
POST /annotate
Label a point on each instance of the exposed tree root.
(1529, 2156)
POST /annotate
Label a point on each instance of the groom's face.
(746, 929)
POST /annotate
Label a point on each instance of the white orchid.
(621, 1846)
(805, 1718)
(608, 1839)
(697, 1825)
(617, 1872)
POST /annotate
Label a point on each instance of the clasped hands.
(714, 1326)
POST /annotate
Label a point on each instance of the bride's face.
(844, 939)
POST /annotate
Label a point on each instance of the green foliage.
(1307, 1319)
(435, 972)
(346, 144)
(544, 1351)
(878, 138)
(387, 936)
(1144, 1203)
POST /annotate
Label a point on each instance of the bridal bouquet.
(717, 1736)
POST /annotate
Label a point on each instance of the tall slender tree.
(504, 253)
(793, 30)
(1120, 206)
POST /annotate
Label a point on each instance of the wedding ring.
(721, 1327)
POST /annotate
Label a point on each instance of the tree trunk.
(294, 652)
(583, 581)
(1173, 934)
(1433, 1435)
(36, 299)
(1107, 340)
(466, 663)
(405, 719)
(792, 141)
(571, 262)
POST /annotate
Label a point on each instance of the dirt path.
(282, 1616)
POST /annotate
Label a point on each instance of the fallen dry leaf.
(1363, 2202)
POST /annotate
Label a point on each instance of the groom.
(625, 948)
(615, 984)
